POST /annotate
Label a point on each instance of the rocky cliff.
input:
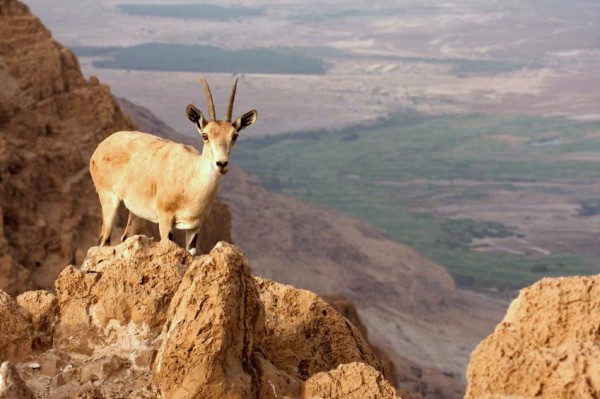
(51, 120)
(145, 319)
(547, 346)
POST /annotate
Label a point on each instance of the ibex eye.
(234, 138)
(204, 137)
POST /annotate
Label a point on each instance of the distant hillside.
(194, 58)
(191, 11)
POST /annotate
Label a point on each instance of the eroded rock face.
(349, 381)
(12, 385)
(347, 309)
(16, 332)
(43, 313)
(51, 120)
(215, 321)
(305, 335)
(145, 319)
(119, 291)
(546, 346)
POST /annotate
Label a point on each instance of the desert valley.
(423, 160)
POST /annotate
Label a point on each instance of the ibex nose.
(222, 164)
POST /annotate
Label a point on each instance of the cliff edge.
(145, 319)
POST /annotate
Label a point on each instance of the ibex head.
(219, 135)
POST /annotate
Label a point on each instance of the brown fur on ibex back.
(162, 181)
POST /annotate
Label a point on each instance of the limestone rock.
(43, 311)
(51, 122)
(546, 346)
(305, 335)
(274, 383)
(349, 381)
(214, 323)
(11, 384)
(347, 309)
(118, 288)
(52, 362)
(16, 332)
(13, 276)
(74, 390)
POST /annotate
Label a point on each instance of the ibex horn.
(209, 99)
(231, 99)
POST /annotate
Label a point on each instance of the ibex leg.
(110, 205)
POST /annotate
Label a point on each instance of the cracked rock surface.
(548, 344)
(144, 319)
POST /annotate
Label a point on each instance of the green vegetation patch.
(191, 11)
(188, 57)
(461, 232)
(394, 174)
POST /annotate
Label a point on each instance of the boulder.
(12, 385)
(43, 312)
(305, 335)
(119, 296)
(548, 344)
(349, 381)
(16, 332)
(214, 323)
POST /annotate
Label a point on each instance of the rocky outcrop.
(16, 332)
(42, 307)
(305, 335)
(215, 323)
(349, 381)
(51, 120)
(12, 385)
(146, 319)
(119, 290)
(548, 344)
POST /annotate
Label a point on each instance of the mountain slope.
(51, 120)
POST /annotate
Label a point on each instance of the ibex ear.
(195, 116)
(245, 120)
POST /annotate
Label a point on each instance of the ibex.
(165, 182)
